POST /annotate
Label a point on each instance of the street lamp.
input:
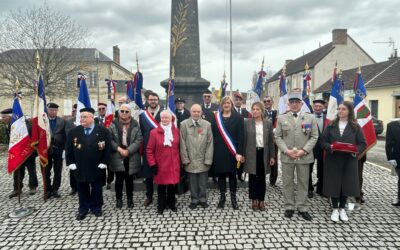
(97, 57)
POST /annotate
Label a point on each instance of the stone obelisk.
(185, 52)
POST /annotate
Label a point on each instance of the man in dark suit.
(69, 125)
(272, 115)
(393, 152)
(181, 112)
(88, 149)
(318, 107)
(101, 109)
(58, 136)
(154, 110)
(208, 107)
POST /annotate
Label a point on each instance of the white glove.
(63, 154)
(393, 163)
(72, 167)
(102, 166)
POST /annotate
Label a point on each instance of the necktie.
(318, 116)
(87, 130)
(294, 115)
(207, 106)
(196, 123)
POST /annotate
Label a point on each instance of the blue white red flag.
(306, 92)
(111, 91)
(83, 98)
(335, 98)
(171, 100)
(283, 99)
(224, 133)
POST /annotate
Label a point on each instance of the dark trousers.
(166, 196)
(110, 175)
(360, 177)
(398, 182)
(339, 202)
(119, 182)
(257, 186)
(19, 174)
(222, 182)
(274, 169)
(320, 175)
(90, 196)
(149, 188)
(72, 180)
(55, 163)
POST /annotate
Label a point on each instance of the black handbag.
(183, 184)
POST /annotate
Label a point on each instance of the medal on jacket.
(101, 145)
(76, 144)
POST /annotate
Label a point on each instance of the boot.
(130, 203)
(221, 202)
(119, 203)
(234, 202)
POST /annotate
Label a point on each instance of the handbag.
(183, 184)
(344, 147)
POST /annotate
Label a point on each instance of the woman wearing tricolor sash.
(228, 131)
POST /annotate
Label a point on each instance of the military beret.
(238, 95)
(319, 101)
(7, 111)
(52, 105)
(179, 100)
(90, 110)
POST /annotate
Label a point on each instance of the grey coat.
(134, 141)
(290, 134)
(196, 146)
(250, 150)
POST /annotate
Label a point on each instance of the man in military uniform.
(181, 112)
(58, 136)
(88, 149)
(296, 135)
(101, 108)
(208, 107)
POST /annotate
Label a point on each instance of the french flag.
(83, 98)
(19, 148)
(138, 90)
(171, 100)
(306, 91)
(335, 99)
(283, 99)
(111, 86)
(40, 124)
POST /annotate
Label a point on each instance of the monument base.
(188, 88)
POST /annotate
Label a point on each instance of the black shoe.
(396, 204)
(119, 203)
(129, 203)
(360, 200)
(13, 194)
(235, 206)
(204, 204)
(289, 213)
(305, 215)
(160, 211)
(80, 216)
(32, 191)
(56, 194)
(192, 206)
(214, 179)
(174, 209)
(221, 202)
(310, 194)
(47, 195)
(108, 186)
(98, 214)
(73, 192)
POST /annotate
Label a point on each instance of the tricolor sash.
(224, 133)
(150, 119)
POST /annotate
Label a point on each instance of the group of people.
(219, 141)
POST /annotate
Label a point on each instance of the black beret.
(90, 110)
(52, 105)
(7, 111)
(179, 100)
(319, 101)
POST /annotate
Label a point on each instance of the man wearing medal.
(296, 135)
(87, 152)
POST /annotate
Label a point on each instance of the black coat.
(84, 151)
(145, 128)
(208, 114)
(181, 117)
(224, 161)
(58, 137)
(243, 113)
(393, 141)
(341, 169)
(271, 115)
(318, 149)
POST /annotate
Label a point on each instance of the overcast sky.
(276, 29)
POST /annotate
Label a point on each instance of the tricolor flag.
(111, 90)
(41, 136)
(83, 98)
(335, 98)
(362, 112)
(222, 90)
(138, 90)
(19, 148)
(283, 99)
(259, 85)
(306, 91)
(130, 86)
(171, 100)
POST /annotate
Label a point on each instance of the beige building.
(382, 82)
(96, 66)
(343, 49)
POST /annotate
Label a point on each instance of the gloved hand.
(393, 163)
(154, 169)
(72, 166)
(102, 166)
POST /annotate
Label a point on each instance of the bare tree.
(54, 35)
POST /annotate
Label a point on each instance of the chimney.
(116, 56)
(339, 36)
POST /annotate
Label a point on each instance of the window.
(374, 108)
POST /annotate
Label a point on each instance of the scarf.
(168, 137)
(124, 126)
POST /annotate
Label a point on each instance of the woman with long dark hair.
(343, 141)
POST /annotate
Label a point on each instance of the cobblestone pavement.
(53, 226)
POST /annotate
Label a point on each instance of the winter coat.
(165, 158)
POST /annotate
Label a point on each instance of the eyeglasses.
(206, 96)
(102, 109)
(124, 111)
